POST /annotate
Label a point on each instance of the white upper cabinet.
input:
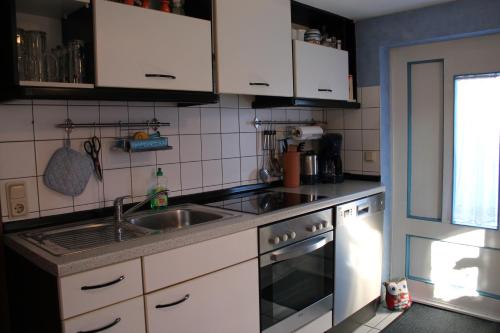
(320, 71)
(253, 47)
(150, 49)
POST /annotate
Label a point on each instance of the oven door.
(296, 284)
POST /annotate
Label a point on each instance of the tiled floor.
(383, 318)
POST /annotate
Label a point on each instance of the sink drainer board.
(80, 238)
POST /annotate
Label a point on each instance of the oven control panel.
(293, 230)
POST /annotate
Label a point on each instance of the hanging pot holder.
(68, 171)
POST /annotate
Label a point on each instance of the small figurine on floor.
(397, 296)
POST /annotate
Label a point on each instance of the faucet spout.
(118, 204)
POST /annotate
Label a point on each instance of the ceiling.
(362, 9)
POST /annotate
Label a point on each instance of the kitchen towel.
(307, 133)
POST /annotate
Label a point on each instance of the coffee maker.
(330, 160)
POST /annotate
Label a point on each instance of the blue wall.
(450, 20)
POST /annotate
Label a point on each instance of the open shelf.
(50, 8)
(56, 84)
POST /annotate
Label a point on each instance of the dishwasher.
(358, 260)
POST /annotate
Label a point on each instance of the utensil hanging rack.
(257, 122)
(154, 124)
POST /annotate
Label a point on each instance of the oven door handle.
(300, 250)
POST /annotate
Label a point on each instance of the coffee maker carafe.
(330, 160)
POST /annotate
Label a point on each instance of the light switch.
(17, 199)
(369, 156)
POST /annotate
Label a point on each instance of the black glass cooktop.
(260, 202)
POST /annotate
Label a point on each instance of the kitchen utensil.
(264, 172)
(92, 148)
(68, 171)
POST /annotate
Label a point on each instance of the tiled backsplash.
(361, 132)
(214, 147)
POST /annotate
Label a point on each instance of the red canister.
(291, 169)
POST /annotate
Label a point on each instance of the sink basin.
(176, 218)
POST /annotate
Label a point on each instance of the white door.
(254, 47)
(445, 116)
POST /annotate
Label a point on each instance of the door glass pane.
(476, 150)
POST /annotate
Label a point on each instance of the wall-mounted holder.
(258, 123)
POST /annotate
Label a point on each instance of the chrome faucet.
(118, 205)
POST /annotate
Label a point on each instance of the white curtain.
(477, 150)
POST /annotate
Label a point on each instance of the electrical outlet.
(17, 199)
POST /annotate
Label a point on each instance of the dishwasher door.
(358, 255)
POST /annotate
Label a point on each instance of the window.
(476, 150)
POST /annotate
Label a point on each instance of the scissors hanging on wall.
(92, 148)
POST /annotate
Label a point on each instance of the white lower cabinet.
(124, 317)
(225, 301)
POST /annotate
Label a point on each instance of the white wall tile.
(293, 115)
(94, 192)
(353, 140)
(212, 188)
(113, 114)
(173, 174)
(352, 119)
(263, 114)
(143, 158)
(230, 145)
(248, 168)
(335, 119)
(210, 120)
(169, 156)
(140, 114)
(373, 166)
(168, 115)
(247, 118)
(57, 211)
(231, 170)
(231, 185)
(229, 101)
(50, 102)
(16, 122)
(45, 119)
(50, 199)
(189, 121)
(229, 120)
(370, 97)
(371, 140)
(212, 173)
(191, 175)
(192, 191)
(18, 159)
(190, 146)
(117, 183)
(44, 151)
(143, 180)
(211, 146)
(112, 158)
(353, 161)
(248, 144)
(84, 114)
(245, 101)
(371, 118)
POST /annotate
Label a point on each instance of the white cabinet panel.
(226, 301)
(143, 48)
(320, 71)
(167, 268)
(125, 317)
(94, 289)
(254, 50)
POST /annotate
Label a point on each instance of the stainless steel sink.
(177, 218)
(82, 237)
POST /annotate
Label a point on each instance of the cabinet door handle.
(116, 321)
(259, 84)
(107, 284)
(325, 90)
(165, 76)
(161, 306)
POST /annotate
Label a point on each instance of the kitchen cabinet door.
(225, 301)
(150, 49)
(254, 50)
(320, 71)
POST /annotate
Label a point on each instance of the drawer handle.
(116, 321)
(259, 84)
(161, 306)
(165, 76)
(325, 90)
(107, 284)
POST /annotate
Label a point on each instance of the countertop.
(75, 263)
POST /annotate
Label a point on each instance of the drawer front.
(226, 301)
(320, 72)
(125, 317)
(167, 268)
(101, 287)
(143, 48)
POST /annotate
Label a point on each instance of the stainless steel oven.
(296, 271)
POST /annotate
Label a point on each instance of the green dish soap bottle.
(161, 201)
